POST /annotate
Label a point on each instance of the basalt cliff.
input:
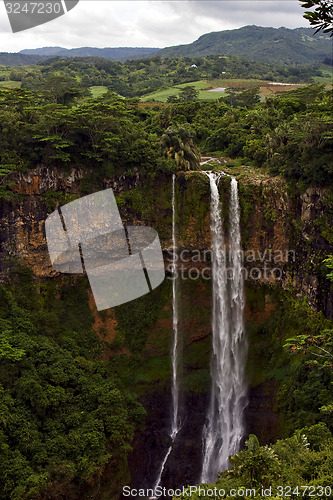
(285, 234)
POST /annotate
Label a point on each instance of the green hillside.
(282, 45)
(13, 59)
(201, 86)
(327, 75)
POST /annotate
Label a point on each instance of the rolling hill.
(16, 59)
(268, 45)
(278, 45)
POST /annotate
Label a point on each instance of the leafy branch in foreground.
(320, 346)
(322, 16)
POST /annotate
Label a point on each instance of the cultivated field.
(265, 89)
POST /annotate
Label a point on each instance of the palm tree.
(177, 144)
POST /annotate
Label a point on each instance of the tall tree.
(177, 144)
(188, 94)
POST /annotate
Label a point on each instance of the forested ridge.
(290, 134)
(112, 53)
(285, 46)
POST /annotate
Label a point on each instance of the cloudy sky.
(152, 23)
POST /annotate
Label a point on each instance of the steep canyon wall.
(280, 228)
(285, 237)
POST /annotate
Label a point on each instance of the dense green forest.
(290, 134)
(64, 414)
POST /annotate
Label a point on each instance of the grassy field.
(98, 90)
(327, 77)
(10, 84)
(7, 84)
(203, 85)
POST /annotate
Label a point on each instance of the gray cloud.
(155, 23)
(239, 13)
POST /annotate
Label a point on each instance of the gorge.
(224, 428)
(138, 335)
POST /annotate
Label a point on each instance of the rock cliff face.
(33, 196)
(289, 233)
(285, 237)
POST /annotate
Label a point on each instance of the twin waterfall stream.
(224, 429)
(224, 426)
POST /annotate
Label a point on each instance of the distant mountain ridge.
(268, 45)
(278, 45)
(115, 54)
(43, 51)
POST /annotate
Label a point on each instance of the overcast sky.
(152, 23)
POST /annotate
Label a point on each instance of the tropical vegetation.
(69, 395)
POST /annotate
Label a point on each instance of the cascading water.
(239, 343)
(175, 424)
(224, 428)
(175, 420)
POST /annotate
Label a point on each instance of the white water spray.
(224, 427)
(175, 420)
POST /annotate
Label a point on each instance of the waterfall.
(175, 424)
(158, 480)
(224, 428)
(175, 421)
